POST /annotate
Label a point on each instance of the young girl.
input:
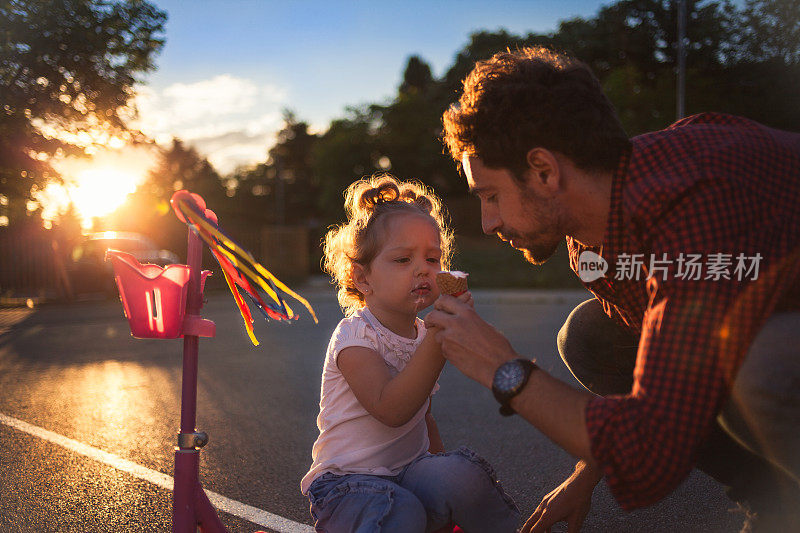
(379, 464)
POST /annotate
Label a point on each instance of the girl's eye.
(433, 259)
(401, 260)
(492, 198)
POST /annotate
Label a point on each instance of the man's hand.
(469, 342)
(569, 502)
(466, 297)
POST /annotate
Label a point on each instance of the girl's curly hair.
(369, 204)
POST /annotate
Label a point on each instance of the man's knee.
(600, 353)
(575, 338)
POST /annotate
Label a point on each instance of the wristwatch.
(509, 380)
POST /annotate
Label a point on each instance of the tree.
(346, 152)
(762, 72)
(284, 188)
(294, 185)
(181, 167)
(482, 45)
(409, 128)
(631, 46)
(148, 210)
(67, 67)
(417, 76)
(771, 31)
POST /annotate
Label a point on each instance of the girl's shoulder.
(353, 323)
(354, 330)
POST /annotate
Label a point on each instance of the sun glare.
(94, 187)
(99, 191)
(94, 192)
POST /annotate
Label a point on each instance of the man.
(689, 239)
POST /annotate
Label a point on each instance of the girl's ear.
(360, 278)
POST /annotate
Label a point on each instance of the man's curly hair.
(534, 97)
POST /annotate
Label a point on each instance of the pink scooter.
(164, 303)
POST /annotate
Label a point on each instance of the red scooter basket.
(154, 298)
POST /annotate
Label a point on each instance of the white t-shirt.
(351, 441)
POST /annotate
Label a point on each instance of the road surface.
(81, 401)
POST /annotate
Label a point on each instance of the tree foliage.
(284, 188)
(67, 67)
(742, 60)
(770, 31)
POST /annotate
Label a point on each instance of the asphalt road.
(75, 371)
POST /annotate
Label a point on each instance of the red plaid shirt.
(726, 189)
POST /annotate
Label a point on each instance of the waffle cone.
(450, 284)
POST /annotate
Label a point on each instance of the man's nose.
(490, 222)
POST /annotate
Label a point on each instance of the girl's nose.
(425, 267)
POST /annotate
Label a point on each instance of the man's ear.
(359, 277)
(544, 173)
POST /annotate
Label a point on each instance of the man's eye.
(492, 198)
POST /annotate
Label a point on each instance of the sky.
(228, 69)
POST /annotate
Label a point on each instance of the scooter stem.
(190, 505)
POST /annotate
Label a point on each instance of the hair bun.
(420, 200)
(382, 193)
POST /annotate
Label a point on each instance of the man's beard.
(540, 247)
(538, 254)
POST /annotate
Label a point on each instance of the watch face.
(509, 376)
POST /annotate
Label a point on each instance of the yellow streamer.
(248, 325)
(214, 232)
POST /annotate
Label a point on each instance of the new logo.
(591, 266)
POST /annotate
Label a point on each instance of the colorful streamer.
(240, 268)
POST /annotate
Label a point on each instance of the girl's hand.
(568, 502)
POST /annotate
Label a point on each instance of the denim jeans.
(753, 446)
(429, 493)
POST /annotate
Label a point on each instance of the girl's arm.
(392, 400)
(436, 444)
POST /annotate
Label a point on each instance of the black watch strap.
(506, 409)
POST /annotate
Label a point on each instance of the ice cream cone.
(453, 283)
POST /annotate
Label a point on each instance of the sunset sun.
(95, 187)
(98, 191)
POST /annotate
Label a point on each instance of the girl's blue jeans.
(429, 493)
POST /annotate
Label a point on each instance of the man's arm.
(643, 443)
(477, 349)
(558, 411)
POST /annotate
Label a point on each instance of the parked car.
(90, 273)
